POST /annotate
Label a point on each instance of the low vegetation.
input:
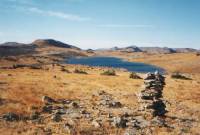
(110, 72)
(177, 75)
(134, 76)
(63, 69)
(78, 71)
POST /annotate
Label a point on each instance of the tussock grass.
(63, 69)
(79, 71)
(110, 72)
(178, 75)
(134, 76)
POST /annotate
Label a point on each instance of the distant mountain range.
(51, 46)
(152, 50)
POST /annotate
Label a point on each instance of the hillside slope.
(53, 43)
(38, 52)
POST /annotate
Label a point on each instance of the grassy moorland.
(22, 90)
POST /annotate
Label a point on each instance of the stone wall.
(150, 96)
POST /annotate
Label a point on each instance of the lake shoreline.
(115, 62)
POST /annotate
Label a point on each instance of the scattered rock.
(64, 101)
(47, 108)
(60, 111)
(56, 117)
(69, 126)
(74, 105)
(159, 107)
(48, 131)
(149, 76)
(156, 121)
(47, 99)
(11, 117)
(115, 104)
(96, 124)
(101, 93)
(63, 110)
(131, 131)
(34, 115)
(108, 101)
(119, 122)
(140, 123)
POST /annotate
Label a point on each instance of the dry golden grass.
(23, 88)
(27, 86)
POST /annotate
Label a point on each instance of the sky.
(102, 23)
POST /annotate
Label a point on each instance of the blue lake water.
(115, 63)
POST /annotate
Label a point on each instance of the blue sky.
(103, 23)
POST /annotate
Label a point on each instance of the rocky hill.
(36, 47)
(54, 43)
(42, 51)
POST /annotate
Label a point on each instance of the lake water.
(115, 63)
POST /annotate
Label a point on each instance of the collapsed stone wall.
(150, 96)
